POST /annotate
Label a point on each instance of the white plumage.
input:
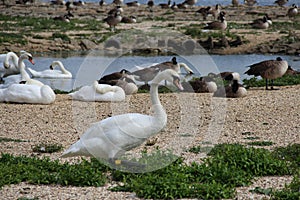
(99, 92)
(112, 136)
(52, 73)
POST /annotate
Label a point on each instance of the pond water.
(199, 2)
(86, 69)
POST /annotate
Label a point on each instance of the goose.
(115, 10)
(228, 76)
(64, 18)
(165, 5)
(113, 136)
(117, 2)
(233, 90)
(145, 74)
(51, 73)
(269, 69)
(293, 11)
(190, 2)
(215, 11)
(235, 3)
(113, 20)
(204, 12)
(281, 2)
(250, 2)
(263, 23)
(127, 84)
(99, 92)
(102, 3)
(201, 85)
(290, 71)
(30, 92)
(115, 75)
(133, 4)
(130, 19)
(217, 25)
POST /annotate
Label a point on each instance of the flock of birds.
(111, 137)
(114, 16)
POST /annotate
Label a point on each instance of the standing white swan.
(30, 92)
(111, 137)
(99, 92)
(51, 73)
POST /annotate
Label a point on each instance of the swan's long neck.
(185, 67)
(62, 68)
(158, 110)
(13, 57)
(21, 65)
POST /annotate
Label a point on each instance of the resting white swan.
(9, 64)
(51, 73)
(111, 137)
(31, 92)
(99, 92)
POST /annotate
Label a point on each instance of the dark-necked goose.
(165, 5)
(190, 2)
(235, 3)
(168, 65)
(233, 90)
(113, 20)
(269, 70)
(293, 11)
(117, 2)
(201, 85)
(281, 2)
(217, 25)
(133, 4)
(145, 75)
(114, 76)
(263, 23)
(130, 19)
(250, 2)
(215, 11)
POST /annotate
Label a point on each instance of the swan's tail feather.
(76, 149)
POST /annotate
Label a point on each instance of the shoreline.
(282, 37)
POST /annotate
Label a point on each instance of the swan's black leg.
(2, 80)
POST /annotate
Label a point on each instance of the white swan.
(99, 92)
(9, 64)
(111, 137)
(185, 67)
(31, 92)
(51, 73)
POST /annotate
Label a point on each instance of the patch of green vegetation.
(251, 138)
(15, 169)
(289, 153)
(200, 149)
(12, 38)
(57, 91)
(227, 167)
(284, 26)
(290, 192)
(261, 143)
(233, 25)
(47, 148)
(5, 139)
(230, 166)
(62, 36)
(247, 133)
(282, 81)
(260, 190)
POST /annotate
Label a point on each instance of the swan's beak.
(177, 83)
(31, 60)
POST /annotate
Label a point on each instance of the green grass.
(261, 143)
(47, 148)
(5, 139)
(282, 81)
(227, 167)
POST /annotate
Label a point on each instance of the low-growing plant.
(290, 192)
(282, 81)
(260, 143)
(5, 139)
(47, 148)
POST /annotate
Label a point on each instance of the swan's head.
(168, 75)
(26, 55)
(187, 69)
(55, 63)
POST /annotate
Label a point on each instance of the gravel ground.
(192, 120)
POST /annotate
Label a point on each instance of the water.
(199, 2)
(86, 69)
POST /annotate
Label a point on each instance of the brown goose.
(190, 2)
(281, 2)
(133, 4)
(293, 11)
(228, 76)
(202, 85)
(235, 3)
(217, 25)
(263, 23)
(130, 19)
(114, 76)
(269, 69)
(168, 65)
(113, 20)
(117, 2)
(165, 5)
(234, 90)
(145, 75)
(215, 11)
(250, 2)
(204, 12)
